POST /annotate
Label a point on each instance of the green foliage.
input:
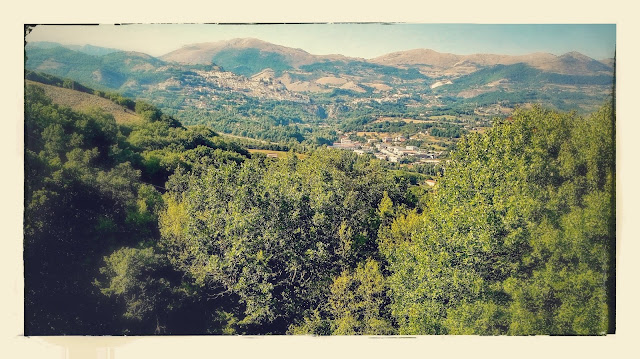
(70, 84)
(280, 122)
(524, 75)
(446, 130)
(160, 228)
(358, 302)
(515, 238)
(153, 294)
(360, 68)
(55, 81)
(147, 111)
(130, 273)
(84, 199)
(398, 127)
(357, 305)
(275, 233)
(76, 203)
(164, 148)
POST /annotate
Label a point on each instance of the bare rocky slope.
(572, 63)
(429, 62)
(203, 53)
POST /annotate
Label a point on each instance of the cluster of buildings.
(389, 149)
(391, 98)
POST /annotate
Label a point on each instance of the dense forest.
(158, 228)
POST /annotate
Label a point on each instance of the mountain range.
(572, 63)
(205, 53)
(249, 56)
(198, 75)
(85, 49)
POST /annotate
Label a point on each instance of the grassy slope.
(82, 102)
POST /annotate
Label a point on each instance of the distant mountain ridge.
(201, 75)
(110, 71)
(572, 63)
(204, 53)
(85, 49)
(250, 56)
(138, 75)
(224, 53)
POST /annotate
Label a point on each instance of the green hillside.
(86, 49)
(108, 72)
(93, 185)
(157, 228)
(361, 68)
(85, 102)
(248, 62)
(523, 75)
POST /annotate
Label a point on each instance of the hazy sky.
(358, 40)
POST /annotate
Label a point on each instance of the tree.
(358, 302)
(135, 276)
(515, 238)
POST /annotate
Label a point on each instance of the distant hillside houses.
(388, 152)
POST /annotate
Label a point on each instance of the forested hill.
(153, 227)
(91, 186)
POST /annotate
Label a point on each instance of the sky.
(357, 40)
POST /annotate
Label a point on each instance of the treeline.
(359, 68)
(441, 129)
(398, 126)
(266, 127)
(516, 237)
(447, 130)
(356, 117)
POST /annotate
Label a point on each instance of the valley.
(241, 187)
(251, 88)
